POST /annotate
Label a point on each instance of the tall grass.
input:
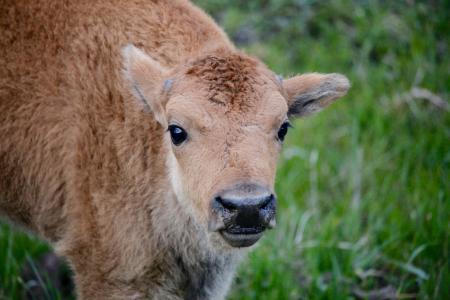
(364, 186)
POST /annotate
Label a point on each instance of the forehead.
(234, 86)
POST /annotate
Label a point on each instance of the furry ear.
(310, 93)
(146, 77)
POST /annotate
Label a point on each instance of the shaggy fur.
(85, 159)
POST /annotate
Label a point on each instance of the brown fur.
(85, 159)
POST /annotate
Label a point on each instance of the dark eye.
(177, 134)
(283, 130)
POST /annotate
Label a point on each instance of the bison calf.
(137, 140)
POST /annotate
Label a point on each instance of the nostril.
(226, 203)
(265, 203)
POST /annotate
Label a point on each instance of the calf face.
(226, 116)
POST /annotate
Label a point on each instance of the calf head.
(226, 116)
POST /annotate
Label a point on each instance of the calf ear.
(310, 93)
(146, 78)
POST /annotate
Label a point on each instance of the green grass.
(363, 187)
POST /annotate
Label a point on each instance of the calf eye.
(177, 134)
(283, 130)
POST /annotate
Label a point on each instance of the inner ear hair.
(146, 78)
(143, 73)
(311, 93)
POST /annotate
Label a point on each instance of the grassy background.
(364, 186)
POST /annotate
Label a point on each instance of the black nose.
(248, 212)
(246, 208)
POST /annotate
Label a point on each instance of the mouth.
(242, 237)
